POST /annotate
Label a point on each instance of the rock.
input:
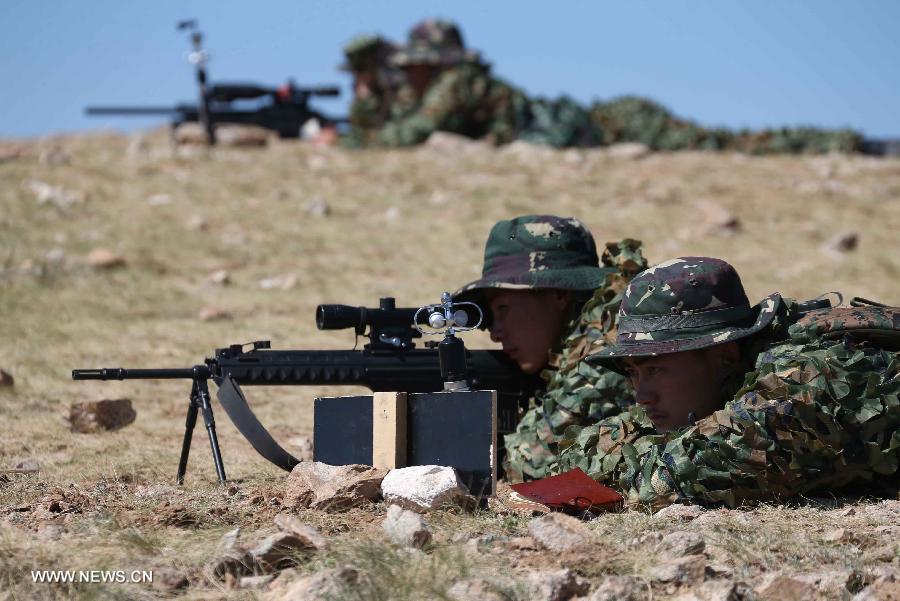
(302, 447)
(44, 193)
(6, 379)
(628, 151)
(29, 465)
(391, 214)
(256, 582)
(718, 591)
(680, 543)
(405, 527)
(190, 133)
(716, 219)
(101, 258)
(683, 570)
(321, 486)
(840, 535)
(883, 589)
(197, 223)
(318, 207)
(476, 590)
(448, 142)
(95, 416)
(158, 200)
(321, 586)
(167, 579)
(283, 282)
(842, 242)
(234, 564)
(213, 314)
(229, 540)
(556, 585)
(558, 532)
(52, 531)
(784, 587)
(55, 255)
(618, 588)
(220, 278)
(423, 487)
(242, 136)
(679, 512)
(308, 534)
(280, 551)
(528, 152)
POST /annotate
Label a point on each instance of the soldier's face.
(528, 323)
(671, 387)
(419, 77)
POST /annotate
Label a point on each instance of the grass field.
(350, 227)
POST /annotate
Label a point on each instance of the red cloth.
(572, 491)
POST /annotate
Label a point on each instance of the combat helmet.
(538, 252)
(434, 42)
(684, 304)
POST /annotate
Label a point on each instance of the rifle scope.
(339, 317)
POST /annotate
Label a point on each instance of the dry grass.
(403, 223)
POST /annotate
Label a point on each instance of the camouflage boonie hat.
(684, 304)
(538, 251)
(433, 42)
(366, 51)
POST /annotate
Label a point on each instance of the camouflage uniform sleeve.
(577, 393)
(814, 416)
(452, 94)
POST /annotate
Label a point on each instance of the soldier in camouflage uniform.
(375, 85)
(450, 89)
(737, 403)
(550, 303)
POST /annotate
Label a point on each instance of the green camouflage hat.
(684, 304)
(433, 42)
(538, 251)
(366, 51)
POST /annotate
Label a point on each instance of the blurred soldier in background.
(375, 85)
(738, 403)
(448, 88)
(550, 302)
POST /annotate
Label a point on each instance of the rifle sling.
(235, 405)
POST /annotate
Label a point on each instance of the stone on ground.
(680, 543)
(558, 532)
(682, 570)
(405, 527)
(321, 486)
(96, 416)
(477, 589)
(679, 512)
(321, 586)
(628, 150)
(883, 589)
(423, 487)
(102, 258)
(242, 136)
(292, 525)
(280, 551)
(556, 585)
(619, 588)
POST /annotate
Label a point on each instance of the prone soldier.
(375, 85)
(737, 402)
(550, 301)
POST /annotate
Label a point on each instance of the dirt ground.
(293, 225)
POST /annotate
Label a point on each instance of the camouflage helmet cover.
(535, 252)
(366, 51)
(684, 304)
(433, 42)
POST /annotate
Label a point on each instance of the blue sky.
(737, 64)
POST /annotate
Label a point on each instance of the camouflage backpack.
(863, 320)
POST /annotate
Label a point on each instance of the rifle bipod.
(200, 400)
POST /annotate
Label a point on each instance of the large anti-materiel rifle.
(283, 110)
(389, 362)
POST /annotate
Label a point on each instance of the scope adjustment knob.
(436, 321)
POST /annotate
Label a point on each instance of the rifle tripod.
(200, 401)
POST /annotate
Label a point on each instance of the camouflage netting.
(635, 119)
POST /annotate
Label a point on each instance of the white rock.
(318, 207)
(680, 543)
(292, 524)
(280, 282)
(423, 487)
(628, 150)
(556, 585)
(679, 512)
(220, 277)
(159, 199)
(405, 527)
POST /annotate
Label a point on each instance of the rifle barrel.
(131, 110)
(118, 373)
